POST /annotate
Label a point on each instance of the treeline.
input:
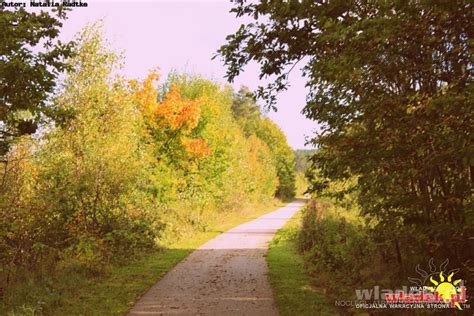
(130, 165)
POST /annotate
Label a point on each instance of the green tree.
(245, 110)
(302, 158)
(80, 194)
(284, 157)
(31, 60)
(391, 86)
(248, 114)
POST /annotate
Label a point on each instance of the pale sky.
(183, 36)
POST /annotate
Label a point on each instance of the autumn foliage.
(136, 163)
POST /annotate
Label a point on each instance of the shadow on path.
(225, 276)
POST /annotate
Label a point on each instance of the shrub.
(339, 253)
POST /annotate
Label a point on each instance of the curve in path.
(225, 276)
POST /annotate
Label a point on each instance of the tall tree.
(31, 60)
(248, 114)
(391, 85)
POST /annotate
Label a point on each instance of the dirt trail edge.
(225, 276)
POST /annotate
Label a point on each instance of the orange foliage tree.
(172, 122)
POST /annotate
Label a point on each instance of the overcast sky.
(183, 36)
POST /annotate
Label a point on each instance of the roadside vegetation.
(293, 288)
(124, 180)
(390, 86)
(115, 291)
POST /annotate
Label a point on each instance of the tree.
(245, 109)
(27, 72)
(248, 114)
(302, 159)
(92, 185)
(391, 85)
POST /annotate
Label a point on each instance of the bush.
(339, 253)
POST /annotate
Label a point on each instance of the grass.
(291, 284)
(115, 292)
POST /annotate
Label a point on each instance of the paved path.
(225, 276)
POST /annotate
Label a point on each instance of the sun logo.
(433, 271)
(446, 288)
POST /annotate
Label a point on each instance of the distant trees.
(247, 113)
(31, 59)
(391, 85)
(303, 159)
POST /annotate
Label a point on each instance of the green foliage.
(333, 241)
(246, 111)
(28, 71)
(391, 87)
(215, 167)
(132, 167)
(248, 115)
(112, 293)
(302, 165)
(303, 159)
(284, 156)
(101, 159)
(77, 195)
(292, 286)
(339, 251)
(301, 185)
